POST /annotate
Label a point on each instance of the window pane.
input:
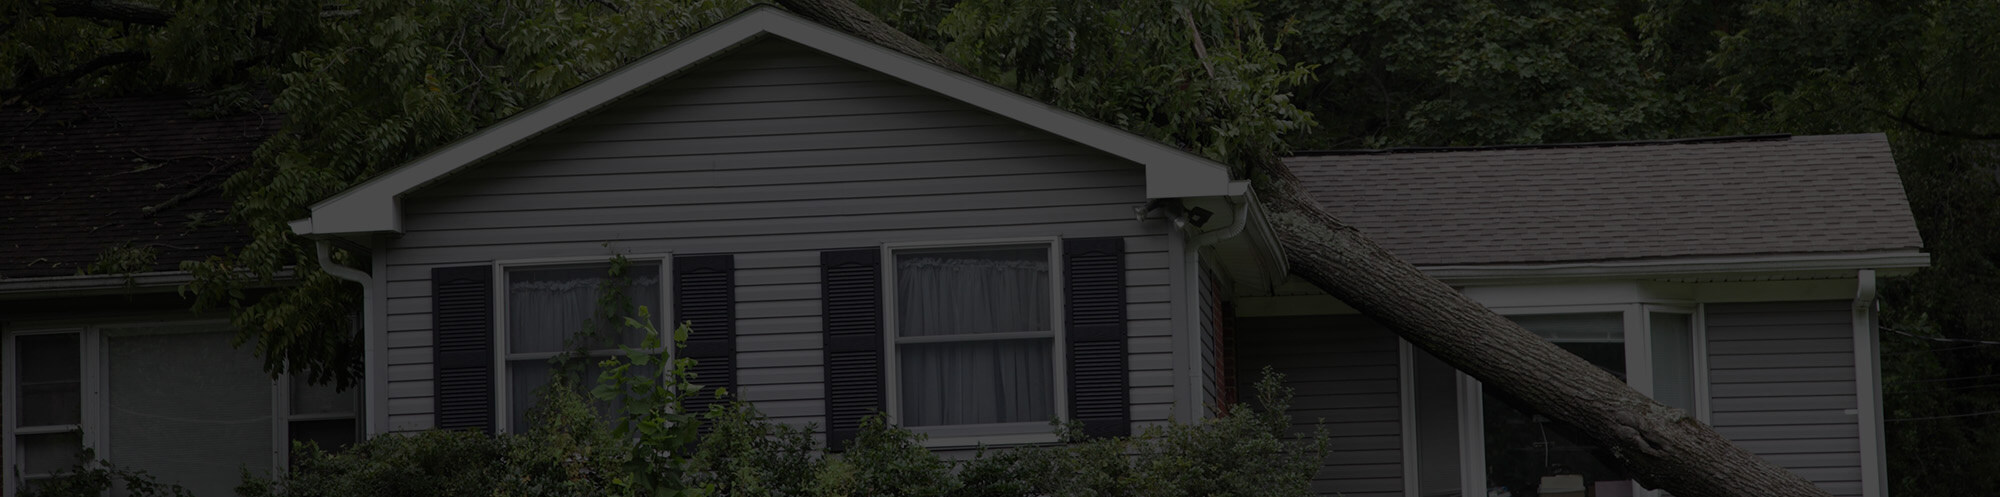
(526, 378)
(1530, 455)
(330, 434)
(51, 393)
(188, 407)
(1597, 327)
(1673, 359)
(1001, 381)
(972, 291)
(308, 398)
(547, 306)
(49, 453)
(1437, 426)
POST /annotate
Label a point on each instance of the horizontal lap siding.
(1783, 386)
(774, 153)
(1343, 372)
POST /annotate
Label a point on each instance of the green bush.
(651, 448)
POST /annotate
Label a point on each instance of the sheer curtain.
(545, 307)
(963, 378)
(1673, 359)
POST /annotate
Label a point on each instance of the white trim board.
(374, 206)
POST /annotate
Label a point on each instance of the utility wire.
(1941, 339)
(1947, 416)
(1935, 380)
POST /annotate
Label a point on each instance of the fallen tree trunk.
(1660, 446)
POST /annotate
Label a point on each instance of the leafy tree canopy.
(369, 84)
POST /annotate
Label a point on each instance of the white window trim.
(980, 434)
(92, 375)
(502, 388)
(1638, 351)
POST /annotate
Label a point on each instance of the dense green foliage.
(371, 83)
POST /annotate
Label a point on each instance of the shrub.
(652, 448)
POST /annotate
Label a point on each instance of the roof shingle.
(1601, 202)
(79, 177)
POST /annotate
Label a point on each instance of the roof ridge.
(1527, 146)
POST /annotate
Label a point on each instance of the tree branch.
(70, 76)
(113, 10)
(1906, 120)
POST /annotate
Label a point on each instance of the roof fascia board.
(97, 284)
(374, 206)
(1777, 264)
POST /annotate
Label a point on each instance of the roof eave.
(1886, 263)
(372, 207)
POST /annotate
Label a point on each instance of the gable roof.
(81, 176)
(1817, 196)
(372, 206)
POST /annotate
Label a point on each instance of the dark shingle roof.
(1598, 202)
(78, 177)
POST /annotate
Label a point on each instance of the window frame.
(1638, 352)
(502, 350)
(1025, 432)
(93, 373)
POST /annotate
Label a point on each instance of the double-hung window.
(549, 309)
(976, 342)
(177, 400)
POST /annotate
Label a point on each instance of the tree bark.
(1660, 446)
(111, 10)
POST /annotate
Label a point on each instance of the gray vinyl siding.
(1343, 370)
(1782, 384)
(774, 153)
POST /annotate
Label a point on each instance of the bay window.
(1469, 442)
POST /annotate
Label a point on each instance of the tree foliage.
(368, 84)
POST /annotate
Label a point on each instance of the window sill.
(990, 435)
(975, 441)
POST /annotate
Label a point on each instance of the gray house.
(853, 231)
(101, 199)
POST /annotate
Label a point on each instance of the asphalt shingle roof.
(1599, 202)
(78, 177)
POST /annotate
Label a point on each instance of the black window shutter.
(705, 297)
(851, 286)
(1094, 281)
(462, 346)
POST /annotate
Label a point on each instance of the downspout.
(1193, 375)
(1867, 352)
(370, 359)
(1241, 203)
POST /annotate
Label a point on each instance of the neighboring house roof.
(373, 206)
(81, 177)
(1807, 196)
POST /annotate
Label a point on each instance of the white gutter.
(1868, 391)
(370, 359)
(1241, 204)
(1843, 262)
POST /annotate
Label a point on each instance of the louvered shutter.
(1094, 283)
(852, 298)
(462, 347)
(705, 297)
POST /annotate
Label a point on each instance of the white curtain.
(187, 406)
(1673, 359)
(975, 292)
(547, 306)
